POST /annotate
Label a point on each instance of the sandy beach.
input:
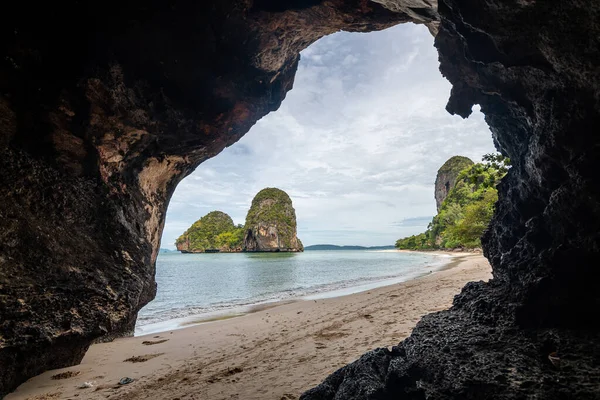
(275, 353)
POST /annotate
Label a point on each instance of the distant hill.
(335, 247)
(161, 251)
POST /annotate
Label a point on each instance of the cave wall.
(104, 108)
(533, 68)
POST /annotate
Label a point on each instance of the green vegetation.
(455, 163)
(273, 207)
(214, 231)
(447, 175)
(467, 210)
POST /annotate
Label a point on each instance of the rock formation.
(106, 106)
(215, 232)
(446, 177)
(271, 223)
(466, 209)
(537, 91)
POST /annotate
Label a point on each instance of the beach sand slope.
(276, 353)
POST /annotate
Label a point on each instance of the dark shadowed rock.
(106, 106)
(538, 93)
(446, 177)
(271, 223)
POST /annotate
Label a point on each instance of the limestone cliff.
(446, 177)
(466, 209)
(215, 232)
(271, 223)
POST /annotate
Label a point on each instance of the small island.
(270, 227)
(213, 233)
(271, 223)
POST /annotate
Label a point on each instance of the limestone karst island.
(270, 227)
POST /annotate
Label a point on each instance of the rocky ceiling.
(105, 107)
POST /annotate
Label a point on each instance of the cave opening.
(99, 127)
(347, 190)
(356, 144)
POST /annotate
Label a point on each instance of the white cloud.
(356, 144)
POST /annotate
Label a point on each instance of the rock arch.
(105, 107)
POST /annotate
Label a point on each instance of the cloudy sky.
(356, 144)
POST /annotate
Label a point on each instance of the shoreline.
(273, 353)
(235, 311)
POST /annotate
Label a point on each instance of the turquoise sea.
(204, 286)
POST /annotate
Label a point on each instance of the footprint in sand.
(225, 373)
(46, 396)
(65, 375)
(152, 342)
(144, 358)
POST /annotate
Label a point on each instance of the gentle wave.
(159, 316)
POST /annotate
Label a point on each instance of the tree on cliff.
(214, 231)
(466, 210)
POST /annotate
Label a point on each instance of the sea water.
(192, 287)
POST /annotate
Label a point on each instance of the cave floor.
(274, 353)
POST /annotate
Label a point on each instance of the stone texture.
(539, 92)
(446, 177)
(271, 223)
(106, 106)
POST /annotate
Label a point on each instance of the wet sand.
(273, 353)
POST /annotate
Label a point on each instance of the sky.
(356, 144)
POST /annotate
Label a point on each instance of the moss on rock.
(447, 175)
(466, 208)
(215, 231)
(271, 223)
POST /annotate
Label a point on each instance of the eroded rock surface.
(271, 223)
(106, 106)
(446, 177)
(539, 92)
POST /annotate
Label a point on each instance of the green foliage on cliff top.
(456, 163)
(467, 210)
(213, 231)
(272, 206)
